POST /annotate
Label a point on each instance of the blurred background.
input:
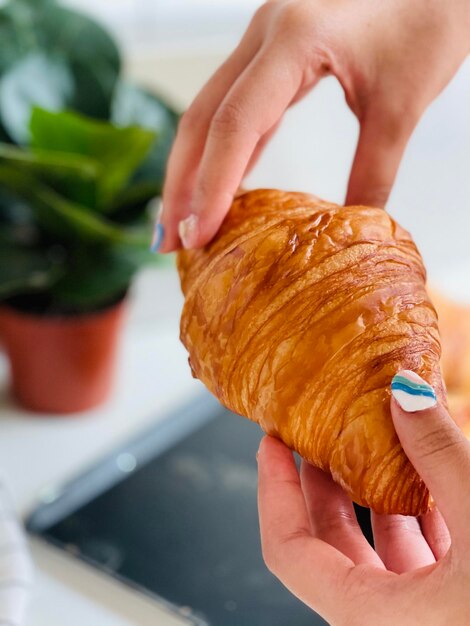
(175, 46)
(168, 49)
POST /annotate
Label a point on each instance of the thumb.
(435, 446)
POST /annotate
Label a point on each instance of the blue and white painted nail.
(412, 392)
(158, 234)
(159, 230)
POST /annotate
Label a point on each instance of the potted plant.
(82, 155)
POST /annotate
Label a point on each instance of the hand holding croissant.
(419, 571)
(299, 315)
(391, 59)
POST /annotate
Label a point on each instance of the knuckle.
(228, 120)
(299, 29)
(441, 442)
(365, 589)
(293, 16)
(441, 540)
(336, 522)
(376, 195)
(397, 524)
(272, 550)
(396, 120)
(262, 13)
(355, 582)
(391, 524)
(204, 188)
(269, 556)
(189, 120)
(294, 535)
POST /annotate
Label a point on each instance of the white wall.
(168, 26)
(174, 45)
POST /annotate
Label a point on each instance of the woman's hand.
(391, 57)
(419, 572)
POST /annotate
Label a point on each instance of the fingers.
(436, 447)
(435, 532)
(192, 131)
(400, 543)
(262, 143)
(313, 570)
(332, 516)
(254, 104)
(382, 142)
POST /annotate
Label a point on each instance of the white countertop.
(152, 376)
(37, 451)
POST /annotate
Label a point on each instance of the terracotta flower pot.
(61, 364)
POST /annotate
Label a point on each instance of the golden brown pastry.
(459, 408)
(454, 328)
(297, 316)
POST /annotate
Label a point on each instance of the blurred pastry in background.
(454, 327)
(459, 408)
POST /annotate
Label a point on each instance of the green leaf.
(134, 105)
(34, 80)
(98, 277)
(14, 214)
(73, 175)
(78, 43)
(16, 33)
(128, 205)
(64, 219)
(36, 3)
(25, 269)
(3, 134)
(91, 52)
(49, 162)
(119, 151)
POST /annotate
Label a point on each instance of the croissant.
(297, 315)
(454, 328)
(459, 407)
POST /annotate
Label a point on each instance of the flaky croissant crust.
(297, 315)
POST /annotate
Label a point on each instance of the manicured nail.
(158, 234)
(158, 230)
(187, 230)
(412, 392)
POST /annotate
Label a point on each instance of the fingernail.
(257, 455)
(158, 234)
(412, 392)
(187, 230)
(158, 230)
